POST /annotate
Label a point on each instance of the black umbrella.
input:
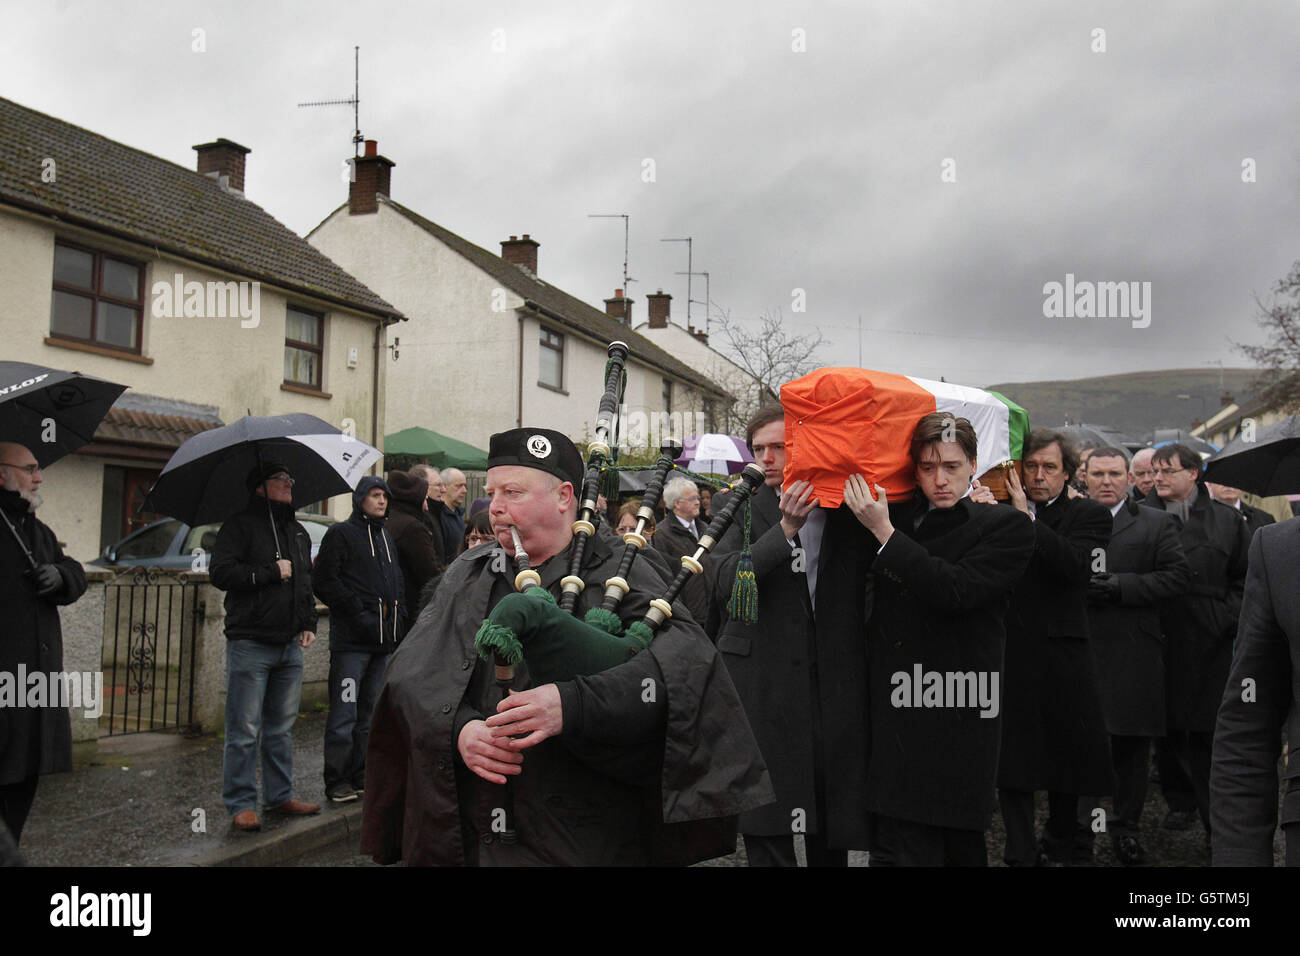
(205, 480)
(51, 412)
(1263, 461)
(1098, 435)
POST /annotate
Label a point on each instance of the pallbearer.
(626, 781)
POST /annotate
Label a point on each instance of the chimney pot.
(226, 159)
(372, 147)
(521, 252)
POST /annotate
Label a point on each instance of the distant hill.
(1136, 403)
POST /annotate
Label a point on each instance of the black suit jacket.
(1053, 733)
(802, 675)
(672, 541)
(939, 597)
(1259, 698)
(1147, 558)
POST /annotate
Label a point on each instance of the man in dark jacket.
(678, 534)
(1053, 732)
(1144, 565)
(1255, 518)
(940, 582)
(432, 516)
(262, 560)
(801, 668)
(35, 578)
(415, 548)
(1200, 625)
(650, 758)
(359, 579)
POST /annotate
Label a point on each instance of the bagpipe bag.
(847, 421)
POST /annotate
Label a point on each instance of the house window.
(303, 348)
(550, 359)
(668, 396)
(97, 298)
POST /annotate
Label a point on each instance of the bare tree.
(1279, 358)
(769, 356)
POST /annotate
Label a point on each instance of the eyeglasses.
(282, 477)
(1169, 471)
(30, 469)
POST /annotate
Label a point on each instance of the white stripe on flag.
(989, 416)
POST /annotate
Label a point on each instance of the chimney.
(226, 160)
(521, 252)
(371, 176)
(699, 334)
(619, 308)
(659, 305)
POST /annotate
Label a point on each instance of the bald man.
(35, 578)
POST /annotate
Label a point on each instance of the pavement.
(154, 799)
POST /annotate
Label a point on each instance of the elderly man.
(679, 534)
(940, 582)
(1255, 518)
(262, 560)
(1053, 732)
(1143, 566)
(802, 675)
(432, 516)
(603, 770)
(453, 515)
(1141, 475)
(35, 578)
(1200, 625)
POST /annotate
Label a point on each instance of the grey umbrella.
(1263, 461)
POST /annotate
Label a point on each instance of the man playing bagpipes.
(645, 762)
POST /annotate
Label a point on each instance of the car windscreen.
(204, 536)
(150, 543)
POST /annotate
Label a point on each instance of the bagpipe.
(530, 625)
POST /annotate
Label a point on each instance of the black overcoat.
(1259, 700)
(1201, 624)
(1146, 556)
(690, 736)
(803, 677)
(1053, 733)
(33, 740)
(939, 598)
(672, 541)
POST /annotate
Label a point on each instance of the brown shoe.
(247, 821)
(297, 808)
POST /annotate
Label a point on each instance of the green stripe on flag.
(1017, 422)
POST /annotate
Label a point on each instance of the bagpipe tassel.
(607, 621)
(743, 605)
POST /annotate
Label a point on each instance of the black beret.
(541, 448)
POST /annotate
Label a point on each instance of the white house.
(490, 344)
(169, 280)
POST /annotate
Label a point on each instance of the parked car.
(170, 543)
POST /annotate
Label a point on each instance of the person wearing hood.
(416, 554)
(358, 577)
(262, 560)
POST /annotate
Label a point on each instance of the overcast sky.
(803, 145)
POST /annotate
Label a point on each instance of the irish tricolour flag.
(843, 421)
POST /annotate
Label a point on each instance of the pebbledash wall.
(212, 361)
(459, 366)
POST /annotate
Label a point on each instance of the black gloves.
(1103, 589)
(47, 579)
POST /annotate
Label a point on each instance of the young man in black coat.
(33, 740)
(1053, 733)
(802, 675)
(359, 579)
(416, 553)
(1144, 565)
(262, 560)
(940, 580)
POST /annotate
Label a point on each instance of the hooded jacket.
(259, 605)
(358, 577)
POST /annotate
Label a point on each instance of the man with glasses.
(1200, 625)
(679, 534)
(262, 560)
(35, 578)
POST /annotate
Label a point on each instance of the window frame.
(558, 348)
(319, 384)
(96, 295)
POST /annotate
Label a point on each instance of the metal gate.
(151, 617)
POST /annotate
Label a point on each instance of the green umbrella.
(434, 449)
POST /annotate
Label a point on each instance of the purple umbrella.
(713, 454)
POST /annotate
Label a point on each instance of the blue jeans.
(263, 689)
(348, 726)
